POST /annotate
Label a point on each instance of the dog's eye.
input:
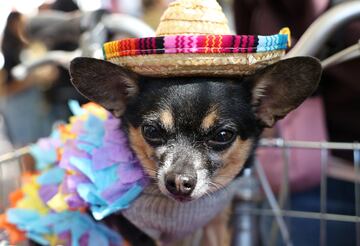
(222, 137)
(152, 134)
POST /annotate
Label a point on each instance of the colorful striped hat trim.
(195, 44)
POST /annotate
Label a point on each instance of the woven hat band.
(197, 44)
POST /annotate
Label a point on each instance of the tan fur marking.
(234, 159)
(167, 119)
(209, 119)
(144, 152)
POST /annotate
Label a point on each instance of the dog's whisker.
(149, 168)
(214, 185)
(150, 172)
(208, 194)
(218, 186)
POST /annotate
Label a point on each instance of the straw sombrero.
(193, 39)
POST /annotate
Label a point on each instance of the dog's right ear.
(105, 83)
(283, 86)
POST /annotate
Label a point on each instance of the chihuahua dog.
(193, 136)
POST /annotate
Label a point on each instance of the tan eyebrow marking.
(209, 119)
(167, 118)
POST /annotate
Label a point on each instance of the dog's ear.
(105, 83)
(283, 86)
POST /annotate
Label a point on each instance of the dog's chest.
(166, 220)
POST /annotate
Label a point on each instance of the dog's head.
(194, 135)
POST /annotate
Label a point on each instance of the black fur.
(245, 105)
(191, 99)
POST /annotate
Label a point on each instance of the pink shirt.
(306, 123)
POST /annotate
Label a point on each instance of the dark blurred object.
(21, 101)
(148, 3)
(340, 88)
(269, 16)
(65, 38)
(57, 26)
(12, 43)
(54, 29)
(341, 92)
(62, 90)
(65, 6)
(91, 19)
(152, 11)
(62, 31)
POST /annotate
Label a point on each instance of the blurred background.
(34, 88)
(39, 37)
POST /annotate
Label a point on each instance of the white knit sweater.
(166, 220)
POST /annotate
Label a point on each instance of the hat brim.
(172, 65)
(196, 55)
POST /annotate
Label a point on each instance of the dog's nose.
(180, 184)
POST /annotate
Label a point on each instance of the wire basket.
(252, 213)
(254, 192)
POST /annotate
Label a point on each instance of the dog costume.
(88, 165)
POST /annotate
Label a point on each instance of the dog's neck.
(166, 220)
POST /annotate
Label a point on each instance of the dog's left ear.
(283, 86)
(105, 83)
